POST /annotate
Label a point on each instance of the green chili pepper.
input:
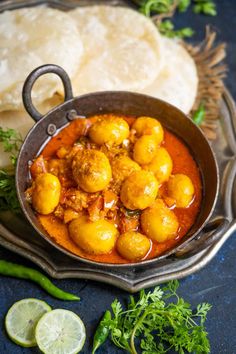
(102, 331)
(19, 271)
(199, 115)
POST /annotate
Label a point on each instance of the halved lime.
(22, 318)
(60, 332)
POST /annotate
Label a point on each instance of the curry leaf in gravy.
(131, 213)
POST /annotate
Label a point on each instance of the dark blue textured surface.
(216, 283)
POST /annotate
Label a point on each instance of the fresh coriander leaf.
(185, 32)
(149, 7)
(131, 301)
(156, 326)
(116, 307)
(171, 288)
(11, 141)
(167, 29)
(156, 294)
(206, 7)
(168, 8)
(199, 115)
(8, 196)
(13, 159)
(183, 5)
(202, 310)
(166, 25)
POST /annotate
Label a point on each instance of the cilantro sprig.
(163, 9)
(155, 6)
(11, 142)
(159, 321)
(163, 6)
(8, 197)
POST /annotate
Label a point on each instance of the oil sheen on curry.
(115, 189)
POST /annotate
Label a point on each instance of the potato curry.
(115, 189)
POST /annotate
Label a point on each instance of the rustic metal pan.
(112, 102)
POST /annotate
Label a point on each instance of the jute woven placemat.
(209, 58)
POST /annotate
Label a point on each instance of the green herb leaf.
(11, 141)
(8, 196)
(206, 7)
(149, 7)
(169, 7)
(199, 115)
(157, 326)
(183, 5)
(167, 29)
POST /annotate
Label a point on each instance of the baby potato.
(46, 193)
(159, 223)
(161, 165)
(145, 149)
(133, 246)
(97, 237)
(181, 189)
(139, 190)
(110, 130)
(122, 167)
(91, 170)
(149, 126)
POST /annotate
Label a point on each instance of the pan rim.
(142, 263)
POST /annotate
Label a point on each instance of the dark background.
(215, 284)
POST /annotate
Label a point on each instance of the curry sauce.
(106, 203)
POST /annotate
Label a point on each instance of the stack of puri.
(100, 47)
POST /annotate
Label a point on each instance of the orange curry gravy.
(183, 162)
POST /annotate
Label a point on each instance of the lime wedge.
(22, 318)
(60, 332)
